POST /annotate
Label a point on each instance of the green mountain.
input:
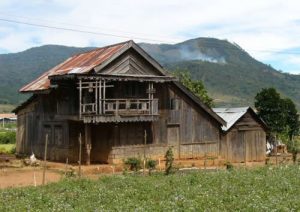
(18, 69)
(230, 74)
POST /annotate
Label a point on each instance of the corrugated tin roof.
(77, 64)
(230, 115)
(11, 116)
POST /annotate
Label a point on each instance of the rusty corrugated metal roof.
(11, 116)
(79, 63)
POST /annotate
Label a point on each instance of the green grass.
(8, 125)
(7, 148)
(7, 136)
(261, 189)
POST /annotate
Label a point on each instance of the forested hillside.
(230, 74)
(20, 68)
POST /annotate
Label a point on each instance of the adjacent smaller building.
(7, 118)
(243, 139)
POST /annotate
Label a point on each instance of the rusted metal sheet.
(9, 116)
(77, 64)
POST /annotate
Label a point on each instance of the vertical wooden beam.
(145, 143)
(88, 143)
(80, 98)
(152, 90)
(100, 97)
(149, 96)
(244, 136)
(79, 157)
(104, 95)
(45, 160)
(96, 96)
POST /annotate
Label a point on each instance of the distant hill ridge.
(230, 74)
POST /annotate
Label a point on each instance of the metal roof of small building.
(230, 115)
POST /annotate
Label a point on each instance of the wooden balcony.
(96, 106)
(120, 110)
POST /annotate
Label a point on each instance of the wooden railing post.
(117, 107)
(80, 97)
(104, 95)
(96, 97)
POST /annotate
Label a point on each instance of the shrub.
(7, 149)
(2, 150)
(7, 137)
(151, 164)
(133, 163)
(229, 165)
(169, 161)
(12, 150)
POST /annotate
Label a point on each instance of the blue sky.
(268, 30)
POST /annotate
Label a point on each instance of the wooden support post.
(79, 160)
(152, 90)
(205, 155)
(45, 158)
(34, 178)
(3, 122)
(145, 143)
(276, 150)
(96, 96)
(149, 96)
(100, 97)
(80, 97)
(245, 148)
(66, 167)
(88, 143)
(104, 95)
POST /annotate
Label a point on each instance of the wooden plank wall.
(245, 142)
(46, 114)
(199, 135)
(190, 131)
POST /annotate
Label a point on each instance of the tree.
(195, 86)
(279, 114)
(292, 117)
(269, 107)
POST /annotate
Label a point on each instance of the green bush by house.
(7, 137)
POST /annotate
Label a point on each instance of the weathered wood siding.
(190, 130)
(47, 114)
(182, 124)
(245, 142)
(186, 128)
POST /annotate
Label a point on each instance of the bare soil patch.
(12, 177)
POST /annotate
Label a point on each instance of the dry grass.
(6, 108)
(6, 148)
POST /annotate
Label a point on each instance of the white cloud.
(260, 27)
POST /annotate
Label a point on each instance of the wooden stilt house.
(114, 96)
(122, 103)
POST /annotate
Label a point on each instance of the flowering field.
(260, 189)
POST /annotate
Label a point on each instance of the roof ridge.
(103, 47)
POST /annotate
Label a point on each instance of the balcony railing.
(130, 107)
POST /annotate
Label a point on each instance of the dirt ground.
(25, 177)
(15, 173)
